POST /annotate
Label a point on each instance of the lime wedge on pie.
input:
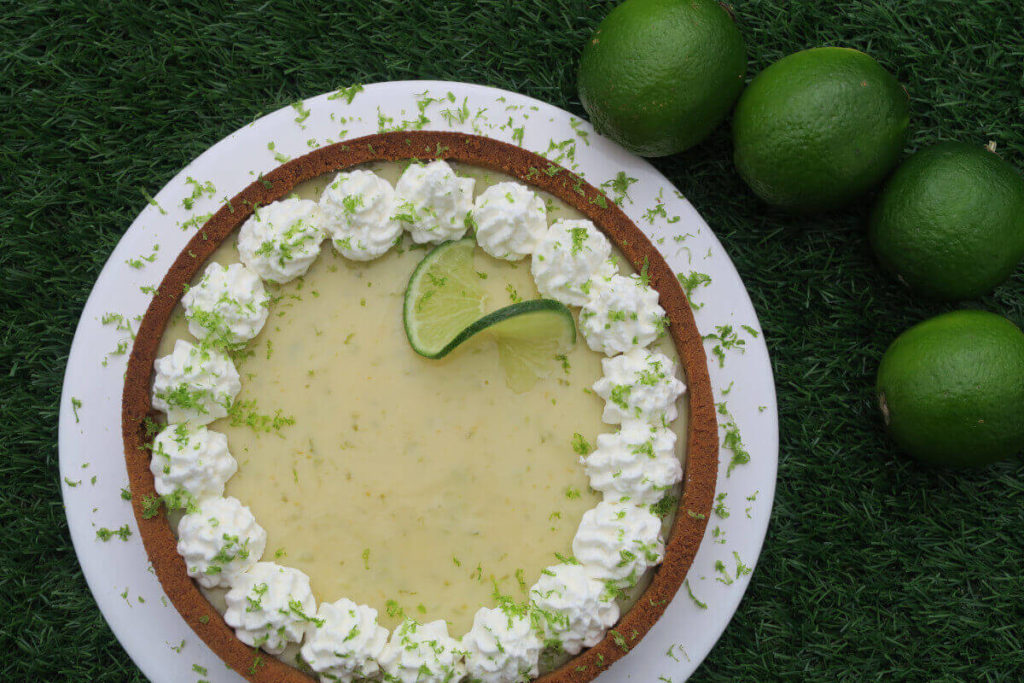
(444, 308)
(442, 299)
(530, 335)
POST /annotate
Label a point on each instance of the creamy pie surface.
(414, 486)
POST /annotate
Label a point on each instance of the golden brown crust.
(701, 466)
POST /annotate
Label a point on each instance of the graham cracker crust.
(701, 466)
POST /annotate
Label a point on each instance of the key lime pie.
(364, 444)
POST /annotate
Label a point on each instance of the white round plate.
(91, 453)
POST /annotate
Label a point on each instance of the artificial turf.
(874, 567)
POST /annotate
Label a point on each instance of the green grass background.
(873, 568)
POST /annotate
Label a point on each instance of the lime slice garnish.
(443, 309)
(531, 335)
(442, 299)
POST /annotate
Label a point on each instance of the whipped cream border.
(596, 273)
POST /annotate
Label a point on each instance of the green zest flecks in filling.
(246, 413)
(393, 610)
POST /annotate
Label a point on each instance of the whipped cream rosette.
(422, 653)
(191, 460)
(502, 647)
(575, 609)
(639, 385)
(638, 463)
(568, 258)
(194, 384)
(617, 542)
(281, 240)
(510, 220)
(620, 314)
(433, 203)
(270, 606)
(220, 540)
(228, 305)
(347, 644)
(356, 209)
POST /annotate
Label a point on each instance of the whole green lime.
(819, 128)
(659, 75)
(951, 389)
(950, 221)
